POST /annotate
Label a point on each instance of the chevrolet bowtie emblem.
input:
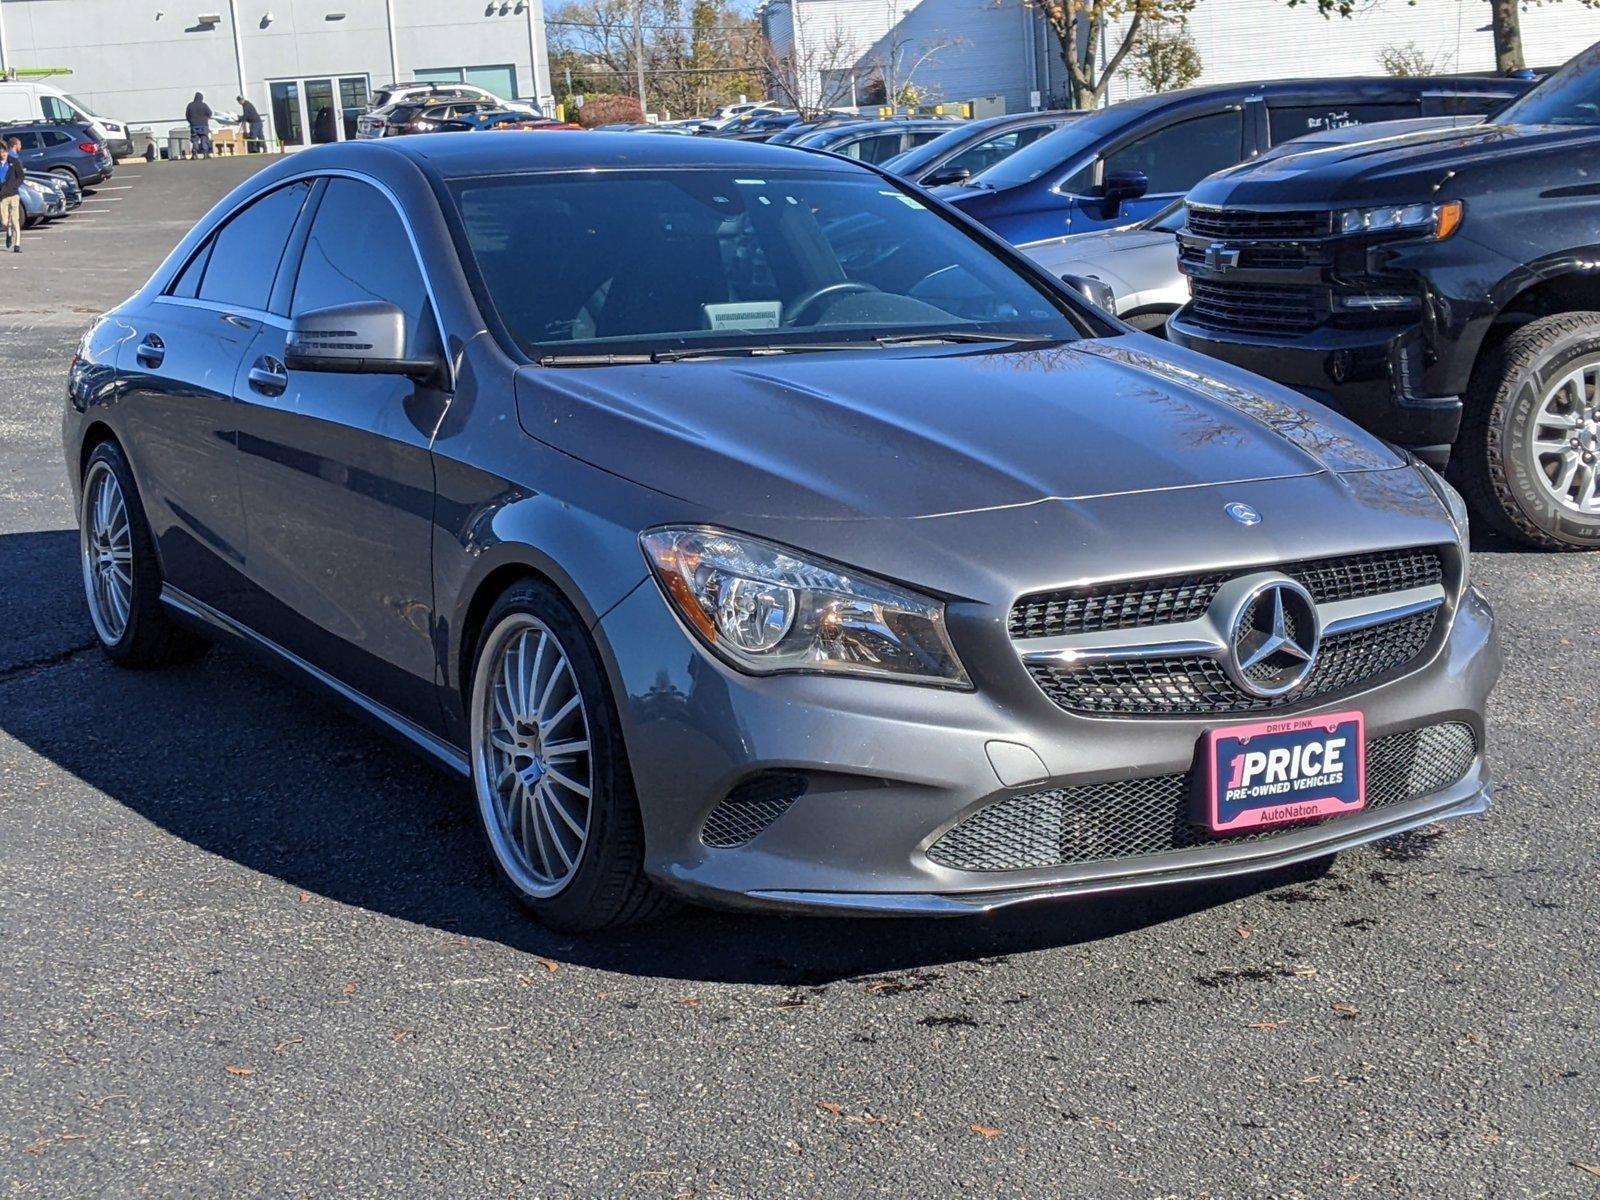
(1221, 257)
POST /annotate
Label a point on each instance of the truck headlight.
(1437, 221)
(766, 609)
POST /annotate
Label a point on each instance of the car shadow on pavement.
(252, 768)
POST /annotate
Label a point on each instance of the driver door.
(336, 471)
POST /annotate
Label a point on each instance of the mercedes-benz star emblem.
(1273, 639)
(1242, 513)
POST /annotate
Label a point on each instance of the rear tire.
(121, 575)
(555, 797)
(67, 173)
(1526, 425)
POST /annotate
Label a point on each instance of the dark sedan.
(746, 526)
(875, 141)
(973, 146)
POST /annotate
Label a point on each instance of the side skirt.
(436, 748)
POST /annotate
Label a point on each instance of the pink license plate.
(1282, 771)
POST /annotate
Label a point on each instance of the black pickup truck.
(1441, 287)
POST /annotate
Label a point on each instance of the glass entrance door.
(316, 111)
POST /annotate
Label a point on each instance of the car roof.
(866, 128)
(462, 155)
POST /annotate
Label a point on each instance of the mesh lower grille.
(1136, 604)
(1218, 304)
(1133, 817)
(1198, 686)
(750, 808)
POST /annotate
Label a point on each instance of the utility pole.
(638, 50)
(394, 45)
(238, 43)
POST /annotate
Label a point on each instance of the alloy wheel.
(1565, 441)
(106, 541)
(534, 773)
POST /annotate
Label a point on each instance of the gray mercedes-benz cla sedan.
(748, 526)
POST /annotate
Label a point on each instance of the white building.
(308, 65)
(953, 50)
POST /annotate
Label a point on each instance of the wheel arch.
(1568, 282)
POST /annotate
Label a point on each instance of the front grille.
(1136, 604)
(1185, 685)
(750, 808)
(1254, 307)
(1262, 255)
(1227, 223)
(1133, 817)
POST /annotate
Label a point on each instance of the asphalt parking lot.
(249, 947)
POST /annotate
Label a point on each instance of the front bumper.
(890, 768)
(1366, 374)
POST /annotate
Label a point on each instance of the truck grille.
(1133, 817)
(1136, 604)
(1254, 307)
(1228, 223)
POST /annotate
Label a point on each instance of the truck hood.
(919, 433)
(1413, 163)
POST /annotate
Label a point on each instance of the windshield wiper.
(959, 336)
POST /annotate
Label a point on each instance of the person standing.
(250, 122)
(198, 114)
(11, 177)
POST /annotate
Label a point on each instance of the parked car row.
(61, 159)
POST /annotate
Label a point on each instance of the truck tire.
(1529, 460)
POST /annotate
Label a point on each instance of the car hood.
(1415, 162)
(900, 433)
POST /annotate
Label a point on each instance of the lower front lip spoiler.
(935, 904)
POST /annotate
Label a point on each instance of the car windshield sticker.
(749, 314)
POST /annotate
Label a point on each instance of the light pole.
(638, 49)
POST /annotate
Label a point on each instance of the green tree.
(1165, 56)
(1081, 26)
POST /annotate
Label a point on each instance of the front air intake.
(750, 808)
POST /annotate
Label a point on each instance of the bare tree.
(816, 70)
(1081, 26)
(1408, 58)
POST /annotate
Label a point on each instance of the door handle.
(268, 376)
(151, 351)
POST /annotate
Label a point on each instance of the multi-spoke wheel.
(1566, 440)
(121, 577)
(107, 546)
(1529, 452)
(553, 789)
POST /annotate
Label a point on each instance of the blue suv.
(72, 152)
(1127, 162)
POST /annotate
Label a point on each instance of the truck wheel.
(1530, 436)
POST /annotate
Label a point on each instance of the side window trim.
(1153, 129)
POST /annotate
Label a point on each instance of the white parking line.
(104, 187)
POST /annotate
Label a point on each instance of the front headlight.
(1437, 221)
(765, 609)
(1457, 507)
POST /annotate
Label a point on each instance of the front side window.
(246, 252)
(702, 257)
(358, 250)
(872, 149)
(991, 150)
(30, 141)
(1179, 156)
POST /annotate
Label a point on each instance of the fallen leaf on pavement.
(985, 1131)
(240, 1070)
(400, 1035)
(350, 988)
(305, 897)
(830, 1107)
(549, 964)
(690, 1001)
(296, 1040)
(1345, 1010)
(1263, 1024)
(1589, 1167)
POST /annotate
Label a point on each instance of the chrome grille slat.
(1134, 817)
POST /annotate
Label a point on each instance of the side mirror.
(943, 175)
(365, 338)
(1120, 186)
(1096, 291)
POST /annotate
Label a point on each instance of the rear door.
(336, 471)
(178, 366)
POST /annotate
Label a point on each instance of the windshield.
(79, 105)
(1569, 97)
(1049, 153)
(631, 261)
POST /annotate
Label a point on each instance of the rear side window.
(187, 285)
(358, 250)
(873, 149)
(1286, 123)
(1176, 158)
(246, 252)
(54, 137)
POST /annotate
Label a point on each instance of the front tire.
(121, 576)
(554, 794)
(1530, 439)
